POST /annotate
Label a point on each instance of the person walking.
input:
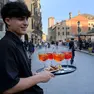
(80, 43)
(31, 47)
(26, 41)
(56, 44)
(30, 50)
(16, 76)
(72, 48)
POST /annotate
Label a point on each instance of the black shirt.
(14, 64)
(71, 46)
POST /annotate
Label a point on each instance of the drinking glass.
(43, 57)
(50, 57)
(58, 57)
(68, 56)
(50, 52)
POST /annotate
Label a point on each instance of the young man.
(15, 74)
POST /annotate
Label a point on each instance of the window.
(92, 24)
(32, 23)
(58, 33)
(31, 9)
(58, 27)
(62, 27)
(89, 28)
(68, 33)
(51, 37)
(62, 33)
(68, 28)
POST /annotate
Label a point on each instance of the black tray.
(66, 70)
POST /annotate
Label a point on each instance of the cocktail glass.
(58, 57)
(50, 56)
(68, 56)
(43, 57)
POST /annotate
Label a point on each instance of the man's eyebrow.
(23, 17)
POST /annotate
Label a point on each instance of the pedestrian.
(80, 43)
(45, 45)
(48, 45)
(30, 50)
(40, 45)
(26, 41)
(15, 74)
(56, 44)
(31, 47)
(72, 48)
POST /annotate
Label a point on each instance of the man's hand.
(44, 76)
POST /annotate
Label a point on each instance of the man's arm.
(28, 82)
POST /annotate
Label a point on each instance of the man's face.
(17, 25)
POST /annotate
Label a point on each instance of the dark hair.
(15, 9)
(72, 38)
(52, 42)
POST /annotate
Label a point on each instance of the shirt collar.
(14, 37)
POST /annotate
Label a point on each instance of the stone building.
(44, 37)
(68, 28)
(35, 21)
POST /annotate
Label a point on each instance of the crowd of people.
(82, 44)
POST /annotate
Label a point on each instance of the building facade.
(71, 27)
(51, 21)
(2, 25)
(44, 37)
(59, 31)
(35, 21)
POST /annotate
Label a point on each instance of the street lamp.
(79, 30)
(78, 23)
(78, 27)
(79, 39)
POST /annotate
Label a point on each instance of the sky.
(59, 9)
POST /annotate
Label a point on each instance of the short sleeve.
(9, 73)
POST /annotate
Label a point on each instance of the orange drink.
(58, 57)
(43, 57)
(68, 55)
(50, 56)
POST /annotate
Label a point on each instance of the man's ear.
(7, 21)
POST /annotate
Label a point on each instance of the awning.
(91, 31)
(82, 34)
(71, 36)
